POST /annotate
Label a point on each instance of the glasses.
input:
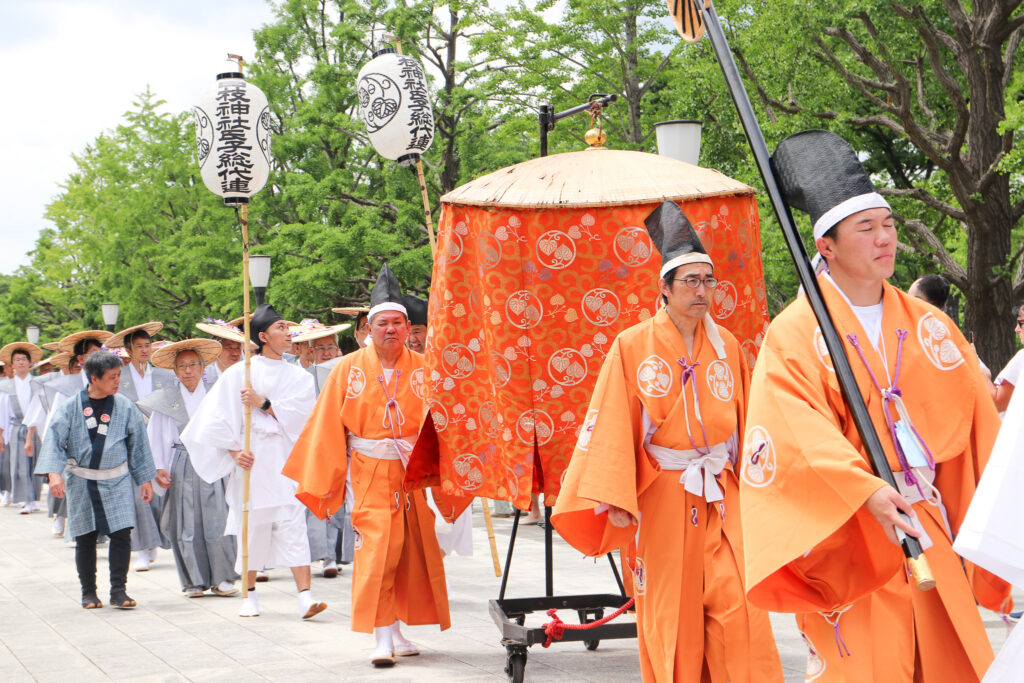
(324, 348)
(695, 282)
(189, 366)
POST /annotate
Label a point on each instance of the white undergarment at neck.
(870, 317)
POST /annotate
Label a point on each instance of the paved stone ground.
(46, 636)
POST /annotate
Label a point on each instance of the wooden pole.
(490, 536)
(244, 219)
(423, 193)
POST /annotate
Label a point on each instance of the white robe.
(992, 536)
(217, 428)
(163, 431)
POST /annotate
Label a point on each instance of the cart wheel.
(591, 644)
(515, 664)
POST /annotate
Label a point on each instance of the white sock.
(384, 639)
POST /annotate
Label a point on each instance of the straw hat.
(318, 330)
(207, 349)
(57, 360)
(351, 310)
(34, 352)
(117, 340)
(67, 344)
(222, 329)
(51, 346)
(594, 178)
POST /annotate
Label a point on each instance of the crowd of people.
(731, 491)
(142, 445)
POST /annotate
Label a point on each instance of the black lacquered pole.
(844, 372)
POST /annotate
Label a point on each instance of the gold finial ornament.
(595, 137)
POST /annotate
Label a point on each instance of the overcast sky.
(72, 68)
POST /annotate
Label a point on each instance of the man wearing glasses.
(653, 472)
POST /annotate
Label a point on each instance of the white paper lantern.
(233, 138)
(395, 106)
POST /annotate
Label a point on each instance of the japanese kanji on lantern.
(395, 105)
(233, 151)
(233, 138)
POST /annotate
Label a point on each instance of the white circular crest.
(724, 300)
(815, 664)
(501, 370)
(821, 350)
(720, 380)
(632, 246)
(469, 470)
(556, 250)
(535, 422)
(567, 367)
(600, 306)
(937, 343)
(453, 250)
(439, 414)
(489, 247)
(417, 382)
(458, 360)
(587, 431)
(523, 309)
(639, 575)
(759, 463)
(356, 382)
(654, 377)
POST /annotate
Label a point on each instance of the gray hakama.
(25, 487)
(194, 511)
(146, 534)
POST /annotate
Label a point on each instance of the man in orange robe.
(815, 517)
(654, 462)
(373, 403)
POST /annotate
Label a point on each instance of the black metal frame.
(509, 614)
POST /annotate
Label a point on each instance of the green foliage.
(134, 223)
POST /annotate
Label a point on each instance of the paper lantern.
(539, 266)
(395, 106)
(233, 138)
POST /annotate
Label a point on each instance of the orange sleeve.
(809, 543)
(318, 461)
(603, 467)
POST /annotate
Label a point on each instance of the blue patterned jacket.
(67, 437)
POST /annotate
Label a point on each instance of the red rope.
(556, 628)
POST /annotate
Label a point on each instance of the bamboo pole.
(244, 219)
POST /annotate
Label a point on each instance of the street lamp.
(679, 140)
(32, 334)
(259, 275)
(110, 315)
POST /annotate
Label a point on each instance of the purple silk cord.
(889, 396)
(689, 373)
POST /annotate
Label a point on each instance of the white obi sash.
(383, 449)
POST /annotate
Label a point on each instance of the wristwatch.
(266, 405)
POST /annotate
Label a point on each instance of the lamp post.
(259, 275)
(679, 139)
(110, 315)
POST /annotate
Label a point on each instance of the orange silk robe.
(398, 570)
(811, 546)
(692, 619)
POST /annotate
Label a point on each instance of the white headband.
(686, 259)
(386, 306)
(862, 202)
